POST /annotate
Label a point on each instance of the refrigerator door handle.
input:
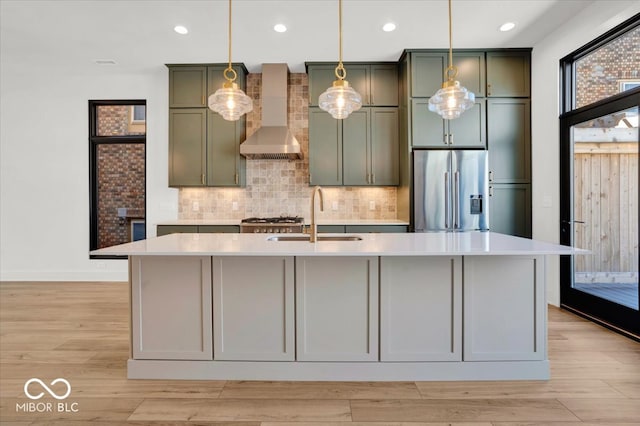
(456, 200)
(447, 198)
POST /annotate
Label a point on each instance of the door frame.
(610, 314)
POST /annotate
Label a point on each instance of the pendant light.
(340, 99)
(453, 99)
(230, 101)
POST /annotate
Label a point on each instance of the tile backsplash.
(281, 187)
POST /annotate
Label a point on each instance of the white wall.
(592, 22)
(44, 189)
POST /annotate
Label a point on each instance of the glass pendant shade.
(340, 100)
(230, 102)
(452, 100)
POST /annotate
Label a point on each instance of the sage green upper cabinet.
(385, 145)
(356, 148)
(204, 149)
(225, 165)
(187, 146)
(360, 150)
(509, 140)
(376, 83)
(509, 73)
(427, 71)
(187, 86)
(325, 148)
(429, 130)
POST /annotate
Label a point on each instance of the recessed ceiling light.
(507, 26)
(388, 27)
(280, 28)
(181, 29)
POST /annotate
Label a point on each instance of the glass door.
(599, 211)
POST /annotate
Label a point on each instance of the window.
(117, 172)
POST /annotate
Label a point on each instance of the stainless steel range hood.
(273, 140)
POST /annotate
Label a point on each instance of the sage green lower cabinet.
(337, 308)
(504, 308)
(187, 146)
(376, 228)
(171, 315)
(194, 229)
(510, 209)
(336, 229)
(421, 308)
(253, 299)
(176, 229)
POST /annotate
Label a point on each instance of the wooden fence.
(606, 200)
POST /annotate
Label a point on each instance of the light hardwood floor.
(78, 331)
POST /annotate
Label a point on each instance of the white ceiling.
(139, 36)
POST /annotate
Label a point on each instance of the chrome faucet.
(313, 227)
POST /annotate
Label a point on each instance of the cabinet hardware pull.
(236, 178)
(202, 99)
(491, 191)
(445, 139)
(491, 176)
(202, 178)
(488, 89)
(450, 138)
(373, 178)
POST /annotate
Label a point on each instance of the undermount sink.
(319, 238)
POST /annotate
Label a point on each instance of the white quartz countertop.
(396, 244)
(306, 221)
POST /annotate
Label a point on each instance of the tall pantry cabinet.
(498, 122)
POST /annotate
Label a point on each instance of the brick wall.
(598, 75)
(121, 177)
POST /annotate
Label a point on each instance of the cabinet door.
(356, 148)
(470, 129)
(510, 209)
(187, 87)
(384, 85)
(385, 146)
(505, 312)
(175, 229)
(421, 309)
(509, 74)
(171, 307)
(187, 146)
(471, 71)
(359, 76)
(225, 165)
(509, 140)
(427, 73)
(336, 229)
(325, 149)
(427, 128)
(337, 308)
(253, 314)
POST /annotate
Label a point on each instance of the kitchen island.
(418, 306)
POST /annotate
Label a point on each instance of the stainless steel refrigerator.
(450, 190)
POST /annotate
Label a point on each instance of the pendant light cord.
(232, 73)
(451, 72)
(341, 73)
